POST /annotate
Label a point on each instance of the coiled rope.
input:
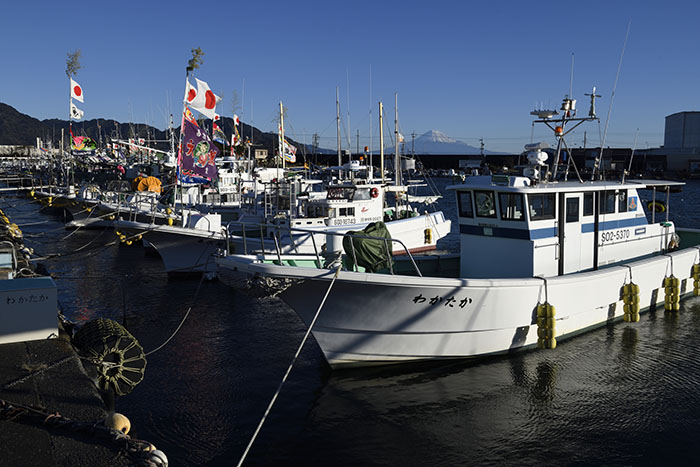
(289, 369)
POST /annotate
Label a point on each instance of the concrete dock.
(47, 374)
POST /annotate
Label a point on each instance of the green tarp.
(370, 254)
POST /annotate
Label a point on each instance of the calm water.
(625, 394)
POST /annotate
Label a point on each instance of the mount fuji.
(436, 142)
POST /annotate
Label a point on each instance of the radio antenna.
(571, 80)
(596, 166)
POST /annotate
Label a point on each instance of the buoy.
(111, 217)
(656, 206)
(158, 458)
(170, 221)
(696, 279)
(428, 233)
(122, 238)
(119, 422)
(168, 211)
(129, 242)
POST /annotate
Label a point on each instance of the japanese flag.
(236, 121)
(76, 91)
(192, 97)
(75, 112)
(202, 99)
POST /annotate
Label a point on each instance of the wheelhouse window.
(511, 206)
(588, 204)
(607, 202)
(464, 199)
(622, 201)
(541, 206)
(345, 212)
(485, 204)
(572, 205)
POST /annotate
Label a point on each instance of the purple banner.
(198, 153)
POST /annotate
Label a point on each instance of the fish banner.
(198, 153)
(83, 144)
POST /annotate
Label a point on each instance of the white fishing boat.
(541, 260)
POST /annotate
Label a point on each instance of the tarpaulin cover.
(148, 184)
(371, 254)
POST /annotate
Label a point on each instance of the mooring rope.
(289, 369)
(184, 318)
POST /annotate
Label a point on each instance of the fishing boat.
(542, 259)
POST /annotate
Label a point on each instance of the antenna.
(612, 97)
(571, 80)
(629, 168)
(593, 95)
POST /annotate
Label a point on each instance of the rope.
(289, 369)
(37, 372)
(138, 450)
(194, 299)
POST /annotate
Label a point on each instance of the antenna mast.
(596, 165)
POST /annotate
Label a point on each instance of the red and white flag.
(192, 98)
(236, 121)
(76, 91)
(202, 99)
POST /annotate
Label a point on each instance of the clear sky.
(468, 69)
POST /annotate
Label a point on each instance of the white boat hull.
(371, 319)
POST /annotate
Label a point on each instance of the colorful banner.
(198, 153)
(83, 143)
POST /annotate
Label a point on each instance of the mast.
(397, 157)
(337, 119)
(281, 135)
(381, 139)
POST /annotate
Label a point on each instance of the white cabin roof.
(521, 184)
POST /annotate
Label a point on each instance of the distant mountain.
(19, 129)
(436, 142)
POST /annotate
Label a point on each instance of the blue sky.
(468, 69)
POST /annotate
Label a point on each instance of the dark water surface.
(625, 394)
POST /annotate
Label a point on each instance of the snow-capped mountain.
(436, 142)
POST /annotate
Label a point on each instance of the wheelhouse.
(512, 227)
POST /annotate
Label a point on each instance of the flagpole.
(282, 135)
(179, 147)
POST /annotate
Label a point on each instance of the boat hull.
(371, 319)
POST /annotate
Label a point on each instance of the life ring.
(374, 192)
(656, 206)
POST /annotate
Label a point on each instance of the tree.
(196, 60)
(73, 63)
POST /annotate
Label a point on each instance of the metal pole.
(381, 139)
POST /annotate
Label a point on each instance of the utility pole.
(358, 141)
(315, 147)
(413, 143)
(481, 140)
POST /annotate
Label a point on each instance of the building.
(682, 143)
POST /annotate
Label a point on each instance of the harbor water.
(624, 394)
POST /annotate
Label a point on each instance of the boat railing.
(296, 235)
(131, 205)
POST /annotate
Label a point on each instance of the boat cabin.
(512, 226)
(348, 204)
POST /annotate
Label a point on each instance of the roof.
(522, 184)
